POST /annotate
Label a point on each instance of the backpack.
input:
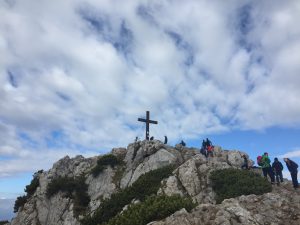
(258, 159)
(278, 166)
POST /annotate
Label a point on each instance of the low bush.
(29, 189)
(230, 183)
(146, 185)
(2, 222)
(103, 162)
(153, 208)
(74, 188)
(20, 202)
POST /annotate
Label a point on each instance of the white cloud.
(85, 70)
(291, 154)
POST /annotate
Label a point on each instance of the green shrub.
(74, 188)
(64, 184)
(153, 208)
(146, 185)
(230, 183)
(3, 222)
(103, 162)
(20, 202)
(31, 188)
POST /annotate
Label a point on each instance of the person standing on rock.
(166, 140)
(266, 167)
(245, 164)
(203, 148)
(277, 169)
(293, 168)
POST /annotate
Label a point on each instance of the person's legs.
(294, 179)
(265, 172)
(277, 177)
(280, 176)
(271, 174)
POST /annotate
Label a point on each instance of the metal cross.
(147, 121)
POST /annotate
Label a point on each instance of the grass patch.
(230, 183)
(146, 185)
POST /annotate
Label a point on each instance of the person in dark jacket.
(166, 140)
(182, 143)
(203, 149)
(208, 142)
(277, 168)
(245, 164)
(293, 168)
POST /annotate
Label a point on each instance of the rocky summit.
(190, 178)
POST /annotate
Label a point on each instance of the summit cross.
(147, 121)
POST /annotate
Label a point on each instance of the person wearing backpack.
(293, 168)
(277, 169)
(266, 167)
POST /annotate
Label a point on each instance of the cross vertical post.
(147, 121)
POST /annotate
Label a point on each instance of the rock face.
(190, 178)
(280, 207)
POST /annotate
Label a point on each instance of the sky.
(75, 76)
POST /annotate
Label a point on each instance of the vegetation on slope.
(230, 183)
(74, 188)
(146, 185)
(29, 189)
(153, 208)
(103, 162)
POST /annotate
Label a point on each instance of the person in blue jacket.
(293, 168)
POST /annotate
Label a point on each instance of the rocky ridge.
(190, 178)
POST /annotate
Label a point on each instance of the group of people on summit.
(275, 170)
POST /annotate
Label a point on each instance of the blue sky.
(75, 76)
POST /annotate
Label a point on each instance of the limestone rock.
(190, 178)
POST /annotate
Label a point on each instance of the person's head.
(266, 153)
(286, 159)
(275, 159)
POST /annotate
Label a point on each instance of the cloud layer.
(75, 75)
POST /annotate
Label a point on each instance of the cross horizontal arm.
(152, 121)
(147, 121)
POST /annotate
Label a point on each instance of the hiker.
(208, 142)
(293, 168)
(277, 169)
(210, 150)
(203, 149)
(182, 143)
(152, 138)
(266, 167)
(166, 140)
(245, 164)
